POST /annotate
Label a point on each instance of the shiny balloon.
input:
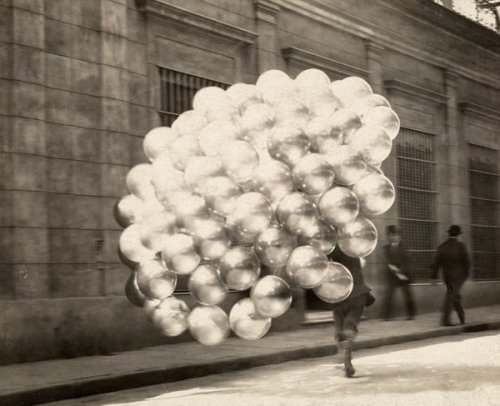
(313, 174)
(208, 324)
(210, 238)
(347, 121)
(291, 111)
(273, 179)
(239, 268)
(252, 213)
(288, 144)
(337, 285)
(189, 123)
(373, 142)
(348, 164)
(170, 316)
(350, 89)
(132, 291)
(358, 238)
(180, 255)
(239, 160)
(296, 212)
(384, 117)
(157, 141)
(206, 286)
(273, 247)
(244, 95)
(215, 135)
(258, 117)
(322, 135)
(200, 169)
(220, 194)
(207, 96)
(275, 85)
(149, 307)
(225, 110)
(375, 193)
(338, 206)
(322, 236)
(155, 280)
(166, 179)
(189, 208)
(184, 148)
(246, 322)
(154, 229)
(271, 296)
(138, 181)
(131, 247)
(364, 104)
(307, 266)
(311, 79)
(128, 210)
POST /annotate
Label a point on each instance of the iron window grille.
(177, 90)
(416, 196)
(485, 212)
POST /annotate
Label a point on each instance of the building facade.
(82, 81)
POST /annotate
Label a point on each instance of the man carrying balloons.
(347, 313)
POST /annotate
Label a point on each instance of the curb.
(100, 385)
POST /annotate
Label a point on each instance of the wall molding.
(478, 110)
(310, 59)
(266, 10)
(416, 91)
(164, 11)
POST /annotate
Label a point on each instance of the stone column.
(266, 12)
(374, 54)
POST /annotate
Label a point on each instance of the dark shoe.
(347, 350)
(349, 370)
(410, 318)
(462, 318)
(447, 324)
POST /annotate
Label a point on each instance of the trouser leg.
(410, 302)
(457, 301)
(387, 305)
(447, 305)
(352, 316)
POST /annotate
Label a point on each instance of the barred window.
(485, 212)
(416, 196)
(177, 92)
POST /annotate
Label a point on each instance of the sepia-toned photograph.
(250, 202)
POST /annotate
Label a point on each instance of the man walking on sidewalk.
(347, 314)
(453, 260)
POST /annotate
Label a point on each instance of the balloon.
(166, 179)
(259, 117)
(375, 194)
(322, 236)
(275, 85)
(384, 117)
(307, 266)
(244, 95)
(224, 110)
(322, 135)
(296, 212)
(346, 121)
(338, 206)
(239, 268)
(132, 292)
(288, 144)
(189, 123)
(271, 296)
(273, 179)
(188, 209)
(291, 111)
(170, 316)
(273, 247)
(313, 174)
(154, 229)
(350, 89)
(208, 324)
(348, 164)
(364, 104)
(310, 79)
(210, 238)
(206, 286)
(246, 322)
(128, 210)
(358, 238)
(184, 148)
(220, 195)
(372, 142)
(149, 307)
(179, 254)
(207, 96)
(252, 214)
(199, 170)
(155, 280)
(239, 160)
(215, 135)
(138, 181)
(157, 141)
(337, 285)
(131, 246)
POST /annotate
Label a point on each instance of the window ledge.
(415, 91)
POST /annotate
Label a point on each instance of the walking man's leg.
(387, 303)
(445, 317)
(457, 302)
(410, 302)
(352, 317)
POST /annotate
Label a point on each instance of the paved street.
(458, 370)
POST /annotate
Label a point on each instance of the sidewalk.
(39, 382)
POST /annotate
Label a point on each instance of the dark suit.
(397, 255)
(453, 260)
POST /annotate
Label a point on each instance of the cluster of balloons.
(272, 175)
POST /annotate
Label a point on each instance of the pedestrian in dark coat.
(453, 261)
(397, 274)
(347, 314)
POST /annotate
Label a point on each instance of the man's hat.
(392, 229)
(454, 230)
